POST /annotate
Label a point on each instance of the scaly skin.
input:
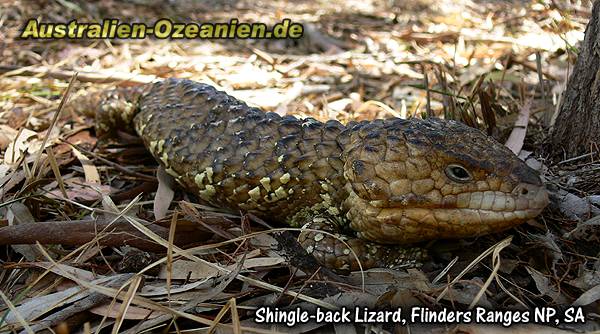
(379, 185)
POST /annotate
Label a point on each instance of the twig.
(79, 232)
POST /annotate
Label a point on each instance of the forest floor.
(486, 63)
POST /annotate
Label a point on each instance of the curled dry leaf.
(164, 194)
(7, 135)
(587, 278)
(575, 207)
(19, 146)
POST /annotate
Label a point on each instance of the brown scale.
(393, 182)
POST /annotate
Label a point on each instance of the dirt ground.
(489, 64)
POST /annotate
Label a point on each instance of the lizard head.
(416, 180)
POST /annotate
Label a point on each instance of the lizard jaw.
(483, 213)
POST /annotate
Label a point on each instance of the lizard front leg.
(330, 250)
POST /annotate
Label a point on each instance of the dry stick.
(538, 64)
(591, 154)
(83, 231)
(56, 171)
(529, 66)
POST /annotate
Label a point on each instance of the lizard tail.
(113, 110)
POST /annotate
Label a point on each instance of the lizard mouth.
(468, 215)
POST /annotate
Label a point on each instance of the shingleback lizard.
(380, 184)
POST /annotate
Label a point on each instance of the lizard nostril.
(524, 191)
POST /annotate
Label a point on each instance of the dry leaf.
(544, 287)
(190, 270)
(133, 312)
(89, 170)
(517, 135)
(588, 297)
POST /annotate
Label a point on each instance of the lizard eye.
(458, 173)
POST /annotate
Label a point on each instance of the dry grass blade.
(220, 315)
(235, 317)
(133, 287)
(489, 118)
(428, 96)
(379, 104)
(170, 253)
(91, 300)
(473, 263)
(188, 253)
(196, 300)
(56, 171)
(113, 164)
(35, 307)
(231, 305)
(538, 66)
(63, 101)
(445, 271)
(493, 275)
(501, 285)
